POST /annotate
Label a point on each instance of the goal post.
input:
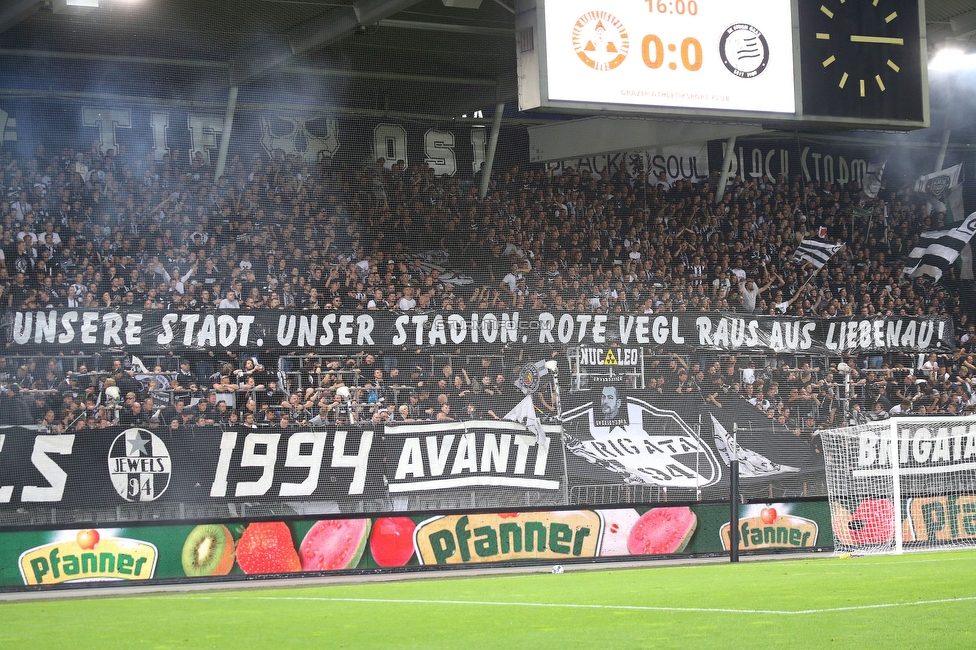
(902, 484)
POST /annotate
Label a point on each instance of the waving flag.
(945, 191)
(871, 184)
(936, 250)
(815, 252)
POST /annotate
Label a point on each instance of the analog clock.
(861, 59)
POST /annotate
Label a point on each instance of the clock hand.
(880, 40)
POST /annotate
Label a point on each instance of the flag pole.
(734, 496)
(797, 293)
(553, 367)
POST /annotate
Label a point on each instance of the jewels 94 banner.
(139, 467)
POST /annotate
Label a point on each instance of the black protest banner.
(683, 444)
(205, 466)
(160, 330)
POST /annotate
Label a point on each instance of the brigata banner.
(683, 444)
(312, 546)
(58, 331)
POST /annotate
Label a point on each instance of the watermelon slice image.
(662, 530)
(873, 522)
(334, 544)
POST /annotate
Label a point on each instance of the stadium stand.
(281, 234)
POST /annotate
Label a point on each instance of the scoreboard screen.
(848, 62)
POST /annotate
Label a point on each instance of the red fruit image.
(768, 516)
(661, 531)
(267, 548)
(88, 539)
(391, 542)
(873, 522)
(334, 544)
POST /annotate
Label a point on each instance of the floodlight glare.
(952, 60)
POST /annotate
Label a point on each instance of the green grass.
(884, 599)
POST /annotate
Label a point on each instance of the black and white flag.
(944, 190)
(752, 464)
(936, 250)
(815, 252)
(871, 184)
(938, 183)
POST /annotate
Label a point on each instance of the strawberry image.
(267, 548)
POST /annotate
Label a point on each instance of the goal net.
(920, 497)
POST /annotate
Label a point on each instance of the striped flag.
(936, 250)
(815, 252)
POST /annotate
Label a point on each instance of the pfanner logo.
(88, 559)
(600, 40)
(770, 530)
(473, 539)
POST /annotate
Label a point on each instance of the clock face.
(861, 59)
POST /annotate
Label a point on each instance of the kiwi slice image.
(208, 551)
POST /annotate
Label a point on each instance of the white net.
(922, 498)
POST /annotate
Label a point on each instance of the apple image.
(88, 539)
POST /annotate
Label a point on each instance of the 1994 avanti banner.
(136, 330)
(413, 464)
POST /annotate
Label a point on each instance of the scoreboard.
(838, 62)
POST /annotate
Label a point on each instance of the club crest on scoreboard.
(744, 50)
(600, 40)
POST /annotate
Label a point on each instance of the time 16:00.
(652, 49)
(679, 7)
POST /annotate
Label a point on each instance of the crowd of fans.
(108, 229)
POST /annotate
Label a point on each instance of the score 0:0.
(691, 53)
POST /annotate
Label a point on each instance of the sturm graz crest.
(139, 465)
(744, 50)
(936, 186)
(529, 378)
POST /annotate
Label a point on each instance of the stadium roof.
(374, 56)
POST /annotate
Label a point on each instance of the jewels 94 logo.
(139, 465)
(600, 40)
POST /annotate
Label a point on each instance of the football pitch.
(922, 600)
